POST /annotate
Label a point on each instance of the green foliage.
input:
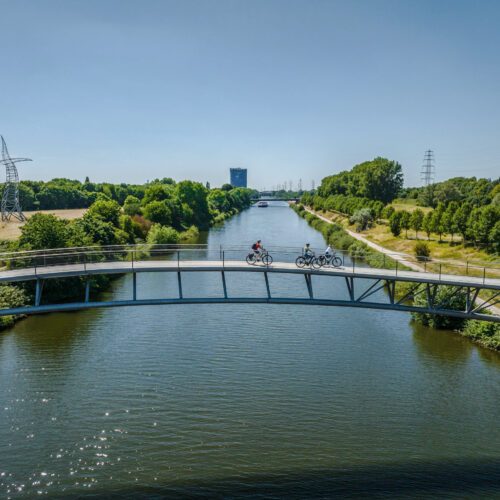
(11, 296)
(158, 212)
(362, 218)
(162, 235)
(343, 204)
(395, 223)
(446, 297)
(132, 205)
(191, 234)
(476, 192)
(194, 195)
(417, 220)
(380, 179)
(405, 221)
(484, 332)
(106, 210)
(43, 231)
(422, 250)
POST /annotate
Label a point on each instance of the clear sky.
(126, 91)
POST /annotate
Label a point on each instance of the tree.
(132, 205)
(379, 179)
(448, 220)
(100, 231)
(107, 211)
(362, 218)
(219, 200)
(405, 221)
(157, 192)
(158, 212)
(395, 223)
(494, 238)
(43, 231)
(483, 222)
(194, 194)
(427, 224)
(416, 221)
(437, 226)
(461, 219)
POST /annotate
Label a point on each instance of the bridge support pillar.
(87, 290)
(134, 286)
(38, 291)
(350, 287)
(179, 281)
(267, 286)
(224, 287)
(309, 285)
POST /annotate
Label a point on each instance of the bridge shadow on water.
(446, 479)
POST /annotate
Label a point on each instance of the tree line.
(160, 212)
(480, 225)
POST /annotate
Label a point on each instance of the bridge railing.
(86, 256)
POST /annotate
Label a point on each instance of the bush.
(484, 332)
(162, 235)
(11, 296)
(445, 297)
(363, 219)
(422, 251)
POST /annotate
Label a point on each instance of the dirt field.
(12, 229)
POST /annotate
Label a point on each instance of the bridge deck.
(69, 270)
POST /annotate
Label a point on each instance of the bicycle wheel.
(250, 259)
(316, 262)
(267, 259)
(337, 262)
(300, 261)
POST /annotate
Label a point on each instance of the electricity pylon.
(10, 198)
(428, 169)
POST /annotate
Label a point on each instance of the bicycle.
(327, 260)
(304, 260)
(263, 256)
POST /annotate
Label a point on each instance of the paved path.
(399, 256)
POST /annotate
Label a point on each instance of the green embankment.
(482, 332)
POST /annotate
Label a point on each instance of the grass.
(11, 230)
(408, 204)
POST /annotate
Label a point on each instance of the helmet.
(308, 244)
(258, 241)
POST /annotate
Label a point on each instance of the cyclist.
(328, 252)
(307, 251)
(257, 247)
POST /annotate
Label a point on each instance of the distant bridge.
(358, 285)
(272, 196)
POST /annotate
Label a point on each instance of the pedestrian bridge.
(358, 285)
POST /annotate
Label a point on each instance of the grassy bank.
(336, 236)
(482, 332)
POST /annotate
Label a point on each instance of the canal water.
(245, 400)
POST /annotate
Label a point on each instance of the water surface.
(239, 400)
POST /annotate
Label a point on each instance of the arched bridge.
(355, 285)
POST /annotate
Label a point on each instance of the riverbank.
(484, 333)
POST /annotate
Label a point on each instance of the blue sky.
(134, 90)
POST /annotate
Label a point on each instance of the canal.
(239, 400)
